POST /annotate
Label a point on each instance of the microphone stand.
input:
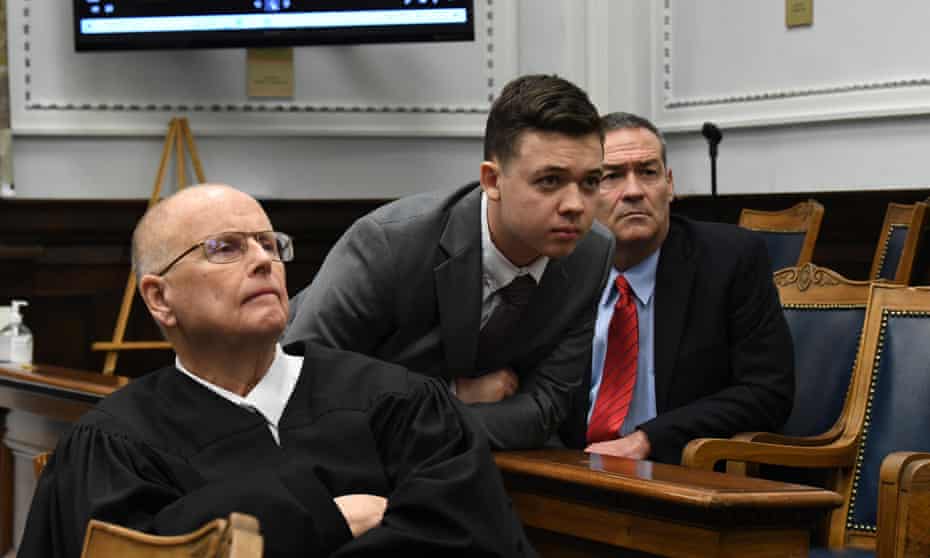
(713, 135)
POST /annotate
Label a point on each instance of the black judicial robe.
(165, 455)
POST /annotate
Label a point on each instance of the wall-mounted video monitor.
(167, 24)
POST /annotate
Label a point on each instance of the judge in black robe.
(365, 459)
(165, 455)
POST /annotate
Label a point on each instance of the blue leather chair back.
(898, 416)
(784, 247)
(892, 252)
(826, 338)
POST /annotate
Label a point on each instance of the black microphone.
(713, 135)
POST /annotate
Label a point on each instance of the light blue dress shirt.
(642, 279)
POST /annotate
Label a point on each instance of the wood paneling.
(852, 222)
(70, 258)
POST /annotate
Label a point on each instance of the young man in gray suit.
(493, 287)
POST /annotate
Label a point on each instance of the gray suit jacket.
(404, 284)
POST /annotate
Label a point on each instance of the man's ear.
(152, 290)
(490, 179)
(671, 185)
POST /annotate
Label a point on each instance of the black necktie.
(501, 324)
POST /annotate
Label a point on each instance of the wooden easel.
(179, 135)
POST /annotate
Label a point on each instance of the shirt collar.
(498, 270)
(641, 277)
(270, 395)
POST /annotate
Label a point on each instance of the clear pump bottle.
(15, 338)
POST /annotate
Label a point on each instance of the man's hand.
(634, 446)
(361, 511)
(490, 388)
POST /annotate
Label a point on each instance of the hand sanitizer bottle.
(16, 337)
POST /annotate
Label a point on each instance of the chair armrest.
(704, 453)
(772, 438)
(904, 505)
(235, 537)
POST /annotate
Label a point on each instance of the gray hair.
(626, 120)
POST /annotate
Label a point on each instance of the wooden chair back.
(899, 242)
(823, 309)
(790, 234)
(235, 537)
(891, 410)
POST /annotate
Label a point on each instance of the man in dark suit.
(492, 288)
(690, 338)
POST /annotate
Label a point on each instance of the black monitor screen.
(161, 24)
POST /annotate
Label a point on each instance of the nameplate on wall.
(270, 73)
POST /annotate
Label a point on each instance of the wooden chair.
(236, 537)
(899, 242)
(790, 234)
(904, 503)
(822, 308)
(887, 410)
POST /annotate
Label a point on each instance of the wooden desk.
(52, 391)
(576, 504)
(48, 391)
(573, 504)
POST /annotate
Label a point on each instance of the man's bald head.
(162, 230)
(228, 301)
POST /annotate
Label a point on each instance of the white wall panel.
(398, 89)
(736, 63)
(267, 167)
(840, 105)
(366, 122)
(871, 154)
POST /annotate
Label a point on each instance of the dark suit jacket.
(404, 284)
(723, 352)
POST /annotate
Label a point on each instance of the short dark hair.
(626, 120)
(537, 102)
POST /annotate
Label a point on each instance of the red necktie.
(619, 374)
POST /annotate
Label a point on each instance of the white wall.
(366, 121)
(839, 105)
(842, 104)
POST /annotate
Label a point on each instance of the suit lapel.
(458, 284)
(674, 279)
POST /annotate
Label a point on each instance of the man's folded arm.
(93, 475)
(447, 493)
(531, 417)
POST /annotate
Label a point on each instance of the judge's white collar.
(270, 395)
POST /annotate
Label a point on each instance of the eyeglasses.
(231, 246)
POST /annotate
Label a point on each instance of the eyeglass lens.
(230, 246)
